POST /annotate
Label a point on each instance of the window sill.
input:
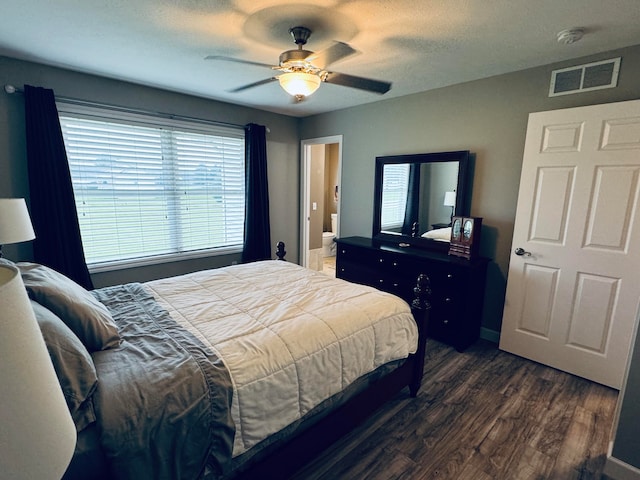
(160, 259)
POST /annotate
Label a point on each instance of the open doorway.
(320, 200)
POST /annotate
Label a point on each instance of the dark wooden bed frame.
(291, 454)
(284, 457)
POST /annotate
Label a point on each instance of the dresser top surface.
(416, 252)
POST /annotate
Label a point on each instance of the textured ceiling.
(415, 44)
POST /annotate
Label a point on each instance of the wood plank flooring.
(480, 415)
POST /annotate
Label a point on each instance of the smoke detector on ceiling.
(570, 35)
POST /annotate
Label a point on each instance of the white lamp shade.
(299, 83)
(15, 224)
(37, 433)
(449, 199)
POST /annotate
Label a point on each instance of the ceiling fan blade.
(254, 84)
(362, 83)
(236, 60)
(329, 55)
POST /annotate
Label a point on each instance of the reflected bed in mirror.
(417, 195)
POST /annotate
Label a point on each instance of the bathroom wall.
(316, 197)
(330, 184)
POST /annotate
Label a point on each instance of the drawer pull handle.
(380, 260)
(395, 285)
(446, 322)
(395, 264)
(447, 300)
(449, 275)
(381, 280)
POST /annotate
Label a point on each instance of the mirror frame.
(462, 196)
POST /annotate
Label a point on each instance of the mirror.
(416, 196)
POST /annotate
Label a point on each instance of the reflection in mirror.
(417, 195)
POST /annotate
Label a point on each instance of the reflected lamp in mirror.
(15, 224)
(450, 201)
(37, 433)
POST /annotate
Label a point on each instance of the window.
(149, 189)
(394, 190)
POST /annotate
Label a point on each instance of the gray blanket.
(163, 398)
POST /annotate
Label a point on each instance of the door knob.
(522, 252)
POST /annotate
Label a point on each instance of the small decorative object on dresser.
(465, 237)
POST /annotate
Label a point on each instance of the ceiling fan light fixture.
(299, 83)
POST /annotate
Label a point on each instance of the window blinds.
(394, 195)
(147, 190)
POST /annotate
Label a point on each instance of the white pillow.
(440, 234)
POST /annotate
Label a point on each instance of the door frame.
(305, 186)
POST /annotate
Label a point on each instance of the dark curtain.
(413, 200)
(257, 232)
(53, 210)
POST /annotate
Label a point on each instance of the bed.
(227, 373)
(438, 234)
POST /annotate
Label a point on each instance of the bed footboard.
(292, 453)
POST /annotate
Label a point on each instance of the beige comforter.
(290, 337)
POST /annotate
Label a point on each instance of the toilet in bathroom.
(328, 245)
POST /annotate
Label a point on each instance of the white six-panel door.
(573, 288)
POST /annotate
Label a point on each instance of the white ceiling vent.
(583, 78)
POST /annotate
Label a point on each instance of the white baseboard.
(619, 470)
(490, 335)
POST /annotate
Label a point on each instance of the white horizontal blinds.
(395, 180)
(117, 173)
(143, 191)
(210, 178)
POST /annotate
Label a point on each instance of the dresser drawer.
(380, 259)
(352, 271)
(374, 275)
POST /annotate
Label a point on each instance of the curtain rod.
(10, 89)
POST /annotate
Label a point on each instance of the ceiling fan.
(303, 71)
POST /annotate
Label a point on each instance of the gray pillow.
(79, 310)
(73, 365)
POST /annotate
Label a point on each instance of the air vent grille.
(584, 78)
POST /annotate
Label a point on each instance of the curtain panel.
(257, 231)
(413, 201)
(58, 243)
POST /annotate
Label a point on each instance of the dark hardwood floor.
(480, 415)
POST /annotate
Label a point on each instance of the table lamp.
(450, 201)
(15, 224)
(37, 433)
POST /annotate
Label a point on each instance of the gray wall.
(282, 149)
(626, 447)
(488, 117)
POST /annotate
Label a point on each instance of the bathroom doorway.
(320, 198)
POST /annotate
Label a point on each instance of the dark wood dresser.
(457, 284)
